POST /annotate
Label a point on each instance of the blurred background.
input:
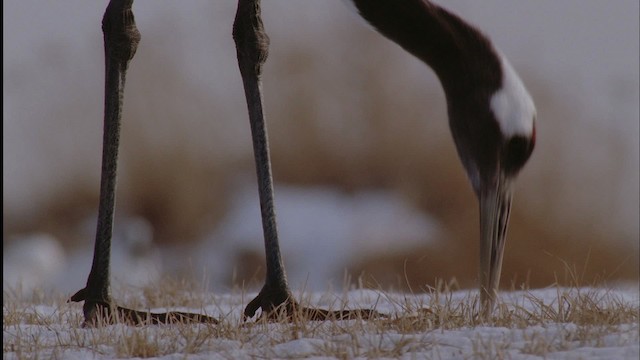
(369, 189)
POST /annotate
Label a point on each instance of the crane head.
(495, 135)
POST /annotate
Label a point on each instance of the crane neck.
(461, 56)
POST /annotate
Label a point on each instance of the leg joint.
(121, 35)
(252, 42)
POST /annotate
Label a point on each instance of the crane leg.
(275, 298)
(121, 38)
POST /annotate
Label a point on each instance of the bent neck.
(461, 56)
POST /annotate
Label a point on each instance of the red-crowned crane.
(491, 116)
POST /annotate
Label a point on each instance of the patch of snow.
(321, 231)
(31, 261)
(39, 262)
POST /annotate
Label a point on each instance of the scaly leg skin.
(121, 38)
(252, 44)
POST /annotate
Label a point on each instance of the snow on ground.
(351, 224)
(53, 331)
(38, 261)
(321, 231)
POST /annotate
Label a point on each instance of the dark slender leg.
(121, 38)
(252, 44)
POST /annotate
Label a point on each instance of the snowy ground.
(553, 323)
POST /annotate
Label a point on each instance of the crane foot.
(278, 304)
(105, 311)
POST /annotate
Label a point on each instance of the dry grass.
(45, 326)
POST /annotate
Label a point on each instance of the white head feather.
(512, 105)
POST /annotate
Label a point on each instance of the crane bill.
(495, 208)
